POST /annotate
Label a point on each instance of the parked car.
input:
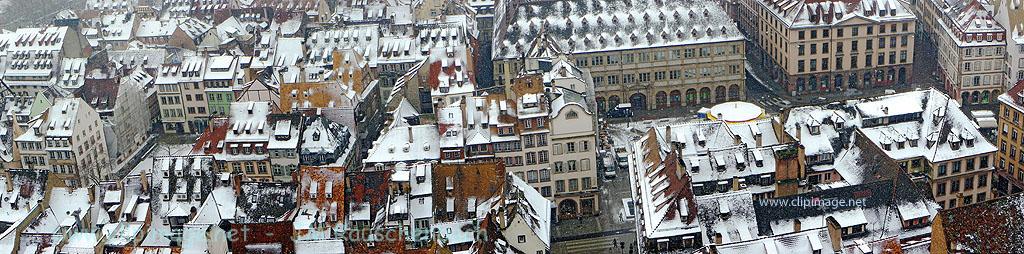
(621, 110)
(622, 157)
(609, 167)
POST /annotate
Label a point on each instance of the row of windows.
(854, 31)
(982, 80)
(704, 71)
(60, 155)
(968, 199)
(535, 140)
(983, 51)
(957, 166)
(572, 166)
(250, 168)
(571, 147)
(983, 65)
(657, 55)
(854, 45)
(574, 185)
(803, 66)
(955, 185)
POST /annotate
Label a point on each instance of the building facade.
(1010, 167)
(649, 68)
(971, 48)
(182, 96)
(71, 137)
(810, 47)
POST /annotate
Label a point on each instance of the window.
(522, 238)
(969, 183)
(586, 183)
(982, 180)
(942, 170)
(574, 184)
(940, 189)
(559, 186)
(570, 147)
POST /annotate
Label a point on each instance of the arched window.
(572, 115)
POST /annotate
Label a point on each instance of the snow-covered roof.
(249, 122)
(21, 181)
(829, 123)
(409, 143)
(323, 136)
(730, 215)
(582, 26)
(63, 117)
(65, 205)
(363, 39)
(729, 163)
(264, 202)
(156, 28)
(876, 208)
(665, 198)
(117, 27)
(971, 23)
(808, 241)
(524, 201)
(807, 14)
(942, 133)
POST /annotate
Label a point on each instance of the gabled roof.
(662, 191)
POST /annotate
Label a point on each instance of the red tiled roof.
(215, 133)
(994, 226)
(1016, 90)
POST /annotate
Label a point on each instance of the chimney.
(668, 134)
(718, 238)
(796, 225)
(409, 130)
